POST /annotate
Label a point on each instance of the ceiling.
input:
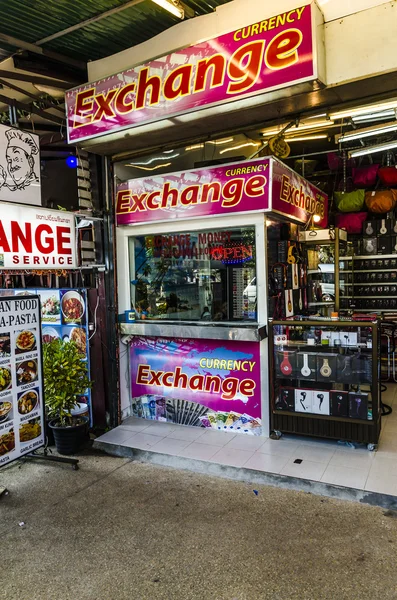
(45, 46)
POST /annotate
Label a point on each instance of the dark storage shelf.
(323, 417)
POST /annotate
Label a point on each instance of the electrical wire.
(95, 320)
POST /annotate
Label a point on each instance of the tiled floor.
(320, 460)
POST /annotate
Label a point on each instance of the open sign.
(234, 254)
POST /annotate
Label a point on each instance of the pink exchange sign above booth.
(277, 52)
(258, 185)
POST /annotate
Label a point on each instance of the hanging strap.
(344, 159)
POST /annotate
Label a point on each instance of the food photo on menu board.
(73, 307)
(25, 341)
(50, 333)
(5, 378)
(27, 372)
(5, 345)
(77, 335)
(50, 306)
(7, 442)
(28, 402)
(30, 430)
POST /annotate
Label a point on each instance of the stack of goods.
(287, 271)
(368, 188)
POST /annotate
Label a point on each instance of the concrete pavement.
(118, 530)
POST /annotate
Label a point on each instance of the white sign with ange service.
(36, 238)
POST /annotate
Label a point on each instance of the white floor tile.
(229, 456)
(305, 470)
(387, 451)
(266, 462)
(278, 448)
(186, 433)
(389, 420)
(136, 421)
(116, 436)
(161, 429)
(314, 453)
(170, 446)
(134, 426)
(383, 484)
(246, 442)
(384, 465)
(353, 458)
(389, 435)
(353, 478)
(199, 451)
(217, 438)
(143, 441)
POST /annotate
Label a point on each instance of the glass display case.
(324, 379)
(323, 248)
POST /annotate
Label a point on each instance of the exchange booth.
(193, 290)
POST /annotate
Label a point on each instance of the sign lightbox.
(269, 55)
(36, 238)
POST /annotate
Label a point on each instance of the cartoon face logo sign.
(20, 162)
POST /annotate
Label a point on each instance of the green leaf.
(65, 377)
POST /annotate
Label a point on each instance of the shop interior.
(321, 278)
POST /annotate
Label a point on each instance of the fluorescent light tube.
(149, 168)
(239, 146)
(373, 149)
(175, 9)
(367, 132)
(384, 114)
(363, 110)
(302, 127)
(321, 136)
(220, 142)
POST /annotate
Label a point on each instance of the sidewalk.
(311, 464)
(122, 530)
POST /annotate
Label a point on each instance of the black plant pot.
(50, 435)
(68, 440)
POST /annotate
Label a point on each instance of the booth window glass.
(195, 276)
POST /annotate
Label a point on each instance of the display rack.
(324, 379)
(370, 281)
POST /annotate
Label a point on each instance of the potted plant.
(65, 378)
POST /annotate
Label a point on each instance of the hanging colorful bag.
(381, 202)
(351, 222)
(335, 162)
(388, 176)
(365, 176)
(350, 201)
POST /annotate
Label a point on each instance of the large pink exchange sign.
(271, 54)
(258, 185)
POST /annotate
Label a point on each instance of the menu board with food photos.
(64, 315)
(21, 385)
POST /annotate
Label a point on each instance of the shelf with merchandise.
(330, 386)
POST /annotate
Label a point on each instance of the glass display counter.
(324, 379)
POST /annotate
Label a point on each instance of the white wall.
(362, 44)
(354, 47)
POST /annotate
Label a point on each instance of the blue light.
(71, 162)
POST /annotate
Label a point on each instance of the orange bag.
(381, 202)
